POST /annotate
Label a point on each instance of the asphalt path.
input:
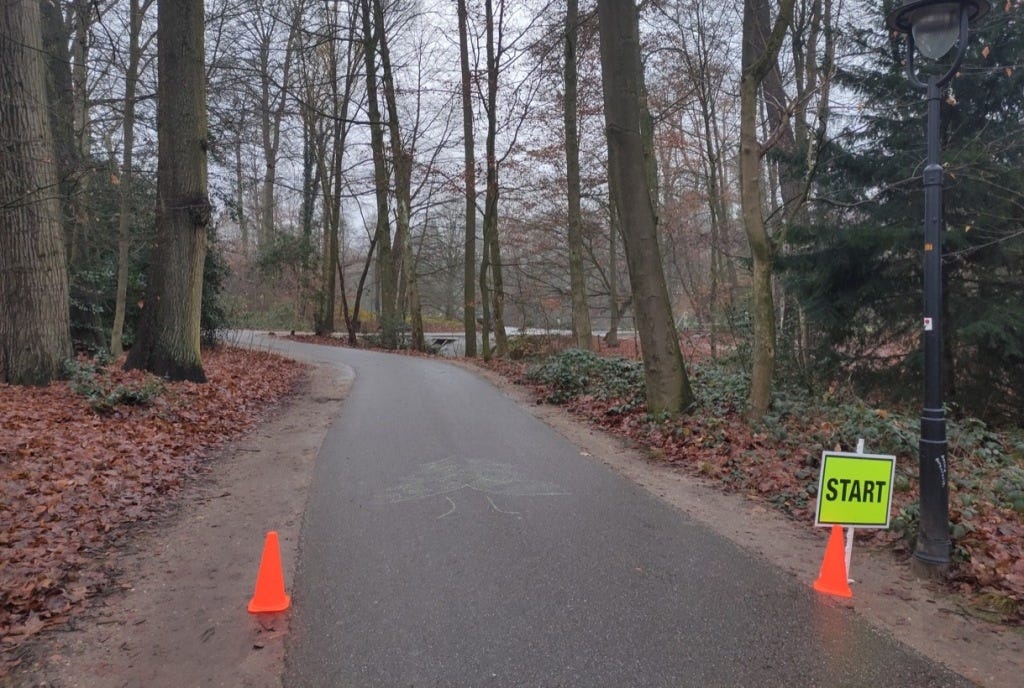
(452, 539)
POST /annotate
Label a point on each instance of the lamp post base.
(930, 559)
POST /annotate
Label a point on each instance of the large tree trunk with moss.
(168, 339)
(760, 50)
(469, 271)
(668, 388)
(34, 324)
(577, 283)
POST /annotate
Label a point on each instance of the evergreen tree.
(858, 268)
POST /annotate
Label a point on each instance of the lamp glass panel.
(936, 28)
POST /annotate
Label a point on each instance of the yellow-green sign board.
(855, 490)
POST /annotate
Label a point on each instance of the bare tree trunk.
(715, 273)
(385, 279)
(332, 179)
(61, 96)
(784, 172)
(403, 182)
(169, 333)
(719, 215)
(310, 175)
(760, 50)
(497, 291)
(813, 34)
(136, 10)
(494, 49)
(76, 177)
(83, 12)
(34, 324)
(577, 280)
(614, 230)
(243, 215)
(352, 318)
(272, 107)
(702, 60)
(469, 277)
(266, 231)
(707, 96)
(324, 324)
(485, 296)
(668, 388)
(402, 159)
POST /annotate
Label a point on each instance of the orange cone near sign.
(269, 595)
(832, 579)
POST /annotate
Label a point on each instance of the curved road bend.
(451, 539)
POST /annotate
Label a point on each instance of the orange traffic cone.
(832, 579)
(269, 595)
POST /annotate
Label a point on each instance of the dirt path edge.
(181, 619)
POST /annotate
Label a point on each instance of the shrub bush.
(575, 372)
(91, 381)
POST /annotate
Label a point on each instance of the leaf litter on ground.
(82, 460)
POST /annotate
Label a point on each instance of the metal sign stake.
(849, 529)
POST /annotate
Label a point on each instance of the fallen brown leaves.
(72, 479)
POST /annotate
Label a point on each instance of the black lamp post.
(934, 26)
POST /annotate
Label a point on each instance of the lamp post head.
(934, 24)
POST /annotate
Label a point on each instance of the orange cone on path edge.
(832, 579)
(269, 595)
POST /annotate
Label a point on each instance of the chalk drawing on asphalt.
(451, 475)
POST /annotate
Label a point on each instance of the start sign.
(855, 490)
